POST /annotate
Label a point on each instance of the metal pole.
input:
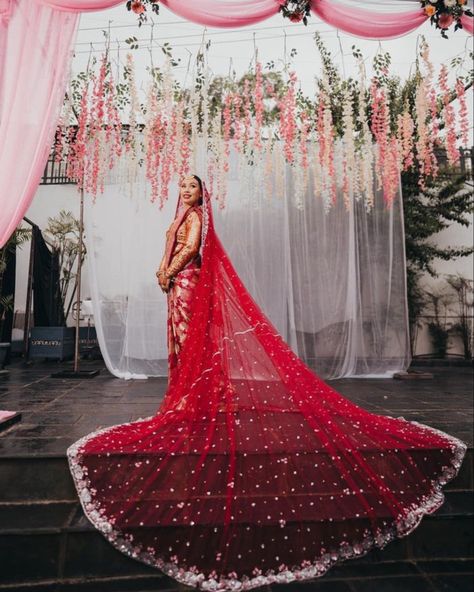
(29, 289)
(79, 269)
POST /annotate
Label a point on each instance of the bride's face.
(190, 191)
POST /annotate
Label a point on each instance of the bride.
(253, 470)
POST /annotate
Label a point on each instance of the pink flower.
(445, 20)
(137, 7)
(297, 17)
(281, 2)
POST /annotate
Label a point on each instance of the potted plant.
(56, 340)
(18, 238)
(438, 326)
(464, 291)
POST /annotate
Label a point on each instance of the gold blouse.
(188, 241)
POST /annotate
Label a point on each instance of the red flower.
(445, 20)
(297, 17)
(138, 7)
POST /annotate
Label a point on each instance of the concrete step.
(47, 478)
(51, 543)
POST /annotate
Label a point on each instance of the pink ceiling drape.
(369, 24)
(468, 24)
(36, 39)
(35, 52)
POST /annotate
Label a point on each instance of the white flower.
(85, 496)
(450, 3)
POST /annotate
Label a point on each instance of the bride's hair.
(200, 187)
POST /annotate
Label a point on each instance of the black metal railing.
(55, 172)
(464, 167)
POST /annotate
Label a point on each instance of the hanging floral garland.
(139, 7)
(296, 10)
(349, 145)
(443, 13)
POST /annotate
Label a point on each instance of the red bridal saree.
(253, 470)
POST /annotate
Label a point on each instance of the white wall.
(454, 236)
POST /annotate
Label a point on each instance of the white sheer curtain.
(333, 284)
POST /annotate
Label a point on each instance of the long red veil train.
(254, 470)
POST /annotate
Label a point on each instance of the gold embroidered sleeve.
(162, 266)
(190, 248)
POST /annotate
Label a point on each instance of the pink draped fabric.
(36, 46)
(468, 24)
(80, 5)
(368, 23)
(214, 13)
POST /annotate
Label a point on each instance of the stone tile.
(442, 566)
(453, 582)
(41, 418)
(52, 587)
(156, 583)
(29, 517)
(357, 569)
(400, 584)
(33, 447)
(317, 585)
(29, 478)
(29, 558)
(442, 537)
(458, 503)
(88, 554)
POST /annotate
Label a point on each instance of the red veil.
(254, 470)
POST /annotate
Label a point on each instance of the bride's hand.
(165, 284)
(161, 279)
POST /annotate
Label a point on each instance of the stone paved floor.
(56, 412)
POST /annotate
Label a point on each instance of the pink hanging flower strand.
(449, 118)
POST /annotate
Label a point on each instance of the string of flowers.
(227, 113)
(365, 167)
(424, 145)
(430, 90)
(154, 137)
(237, 128)
(77, 155)
(326, 136)
(380, 124)
(259, 106)
(247, 123)
(114, 128)
(406, 129)
(463, 112)
(341, 156)
(288, 118)
(349, 152)
(449, 118)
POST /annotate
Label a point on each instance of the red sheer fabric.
(254, 470)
